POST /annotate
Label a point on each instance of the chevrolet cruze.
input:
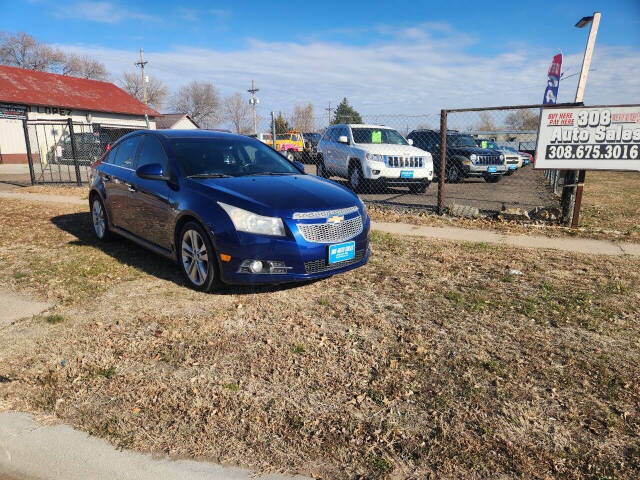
(227, 208)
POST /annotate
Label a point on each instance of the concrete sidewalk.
(32, 451)
(577, 245)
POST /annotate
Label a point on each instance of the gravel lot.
(436, 360)
(524, 189)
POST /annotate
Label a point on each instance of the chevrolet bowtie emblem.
(335, 219)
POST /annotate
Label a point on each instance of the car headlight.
(373, 157)
(245, 221)
(473, 157)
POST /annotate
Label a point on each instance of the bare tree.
(201, 101)
(22, 50)
(302, 118)
(157, 91)
(522, 119)
(236, 109)
(84, 67)
(486, 123)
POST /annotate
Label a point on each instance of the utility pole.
(254, 101)
(329, 109)
(141, 64)
(572, 196)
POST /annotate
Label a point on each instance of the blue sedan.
(227, 208)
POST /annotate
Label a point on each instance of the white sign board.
(589, 138)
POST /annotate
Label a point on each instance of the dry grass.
(430, 362)
(612, 200)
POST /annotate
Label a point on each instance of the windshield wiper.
(209, 175)
(268, 173)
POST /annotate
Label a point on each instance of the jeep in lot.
(464, 157)
(513, 160)
(369, 155)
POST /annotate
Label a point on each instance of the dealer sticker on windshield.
(406, 174)
(342, 251)
(492, 169)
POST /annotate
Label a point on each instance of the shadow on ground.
(130, 253)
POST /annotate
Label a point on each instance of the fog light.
(256, 266)
(375, 172)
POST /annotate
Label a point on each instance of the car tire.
(321, 170)
(419, 187)
(453, 174)
(100, 219)
(356, 178)
(197, 258)
(492, 178)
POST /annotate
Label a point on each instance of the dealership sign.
(8, 110)
(589, 138)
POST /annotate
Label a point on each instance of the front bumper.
(304, 260)
(482, 170)
(379, 171)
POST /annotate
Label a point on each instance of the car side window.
(126, 154)
(152, 151)
(109, 157)
(327, 135)
(334, 135)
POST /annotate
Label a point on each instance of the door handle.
(131, 188)
(106, 178)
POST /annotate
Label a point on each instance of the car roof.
(363, 125)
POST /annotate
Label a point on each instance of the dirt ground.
(436, 360)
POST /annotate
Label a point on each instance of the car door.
(150, 199)
(328, 150)
(121, 174)
(342, 152)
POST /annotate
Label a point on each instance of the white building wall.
(12, 144)
(184, 124)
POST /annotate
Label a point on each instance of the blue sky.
(387, 57)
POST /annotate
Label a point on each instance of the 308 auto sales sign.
(589, 138)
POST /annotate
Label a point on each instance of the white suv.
(367, 154)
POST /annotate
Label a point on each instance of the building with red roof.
(92, 106)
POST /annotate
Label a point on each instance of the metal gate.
(62, 151)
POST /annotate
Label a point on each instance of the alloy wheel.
(195, 258)
(99, 221)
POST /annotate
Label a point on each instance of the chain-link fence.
(394, 160)
(61, 151)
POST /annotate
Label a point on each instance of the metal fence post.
(443, 160)
(25, 126)
(74, 151)
(273, 129)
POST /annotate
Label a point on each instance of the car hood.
(278, 195)
(393, 150)
(476, 150)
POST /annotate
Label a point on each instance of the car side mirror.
(299, 166)
(343, 139)
(410, 142)
(152, 171)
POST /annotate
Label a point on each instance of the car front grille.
(331, 232)
(404, 162)
(488, 160)
(319, 266)
(324, 213)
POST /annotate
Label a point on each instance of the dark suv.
(464, 157)
(89, 148)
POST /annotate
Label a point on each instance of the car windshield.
(460, 141)
(490, 144)
(377, 135)
(229, 157)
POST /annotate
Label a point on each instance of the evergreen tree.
(282, 125)
(345, 113)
